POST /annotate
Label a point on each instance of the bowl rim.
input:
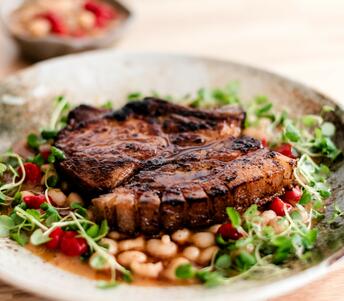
(285, 284)
(9, 7)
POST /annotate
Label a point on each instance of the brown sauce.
(76, 266)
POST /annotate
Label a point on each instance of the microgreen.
(33, 141)
(9, 189)
(185, 271)
(107, 284)
(107, 105)
(234, 216)
(57, 119)
(134, 96)
(38, 238)
(336, 213)
(3, 168)
(6, 224)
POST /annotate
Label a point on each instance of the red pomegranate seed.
(227, 231)
(72, 245)
(278, 205)
(287, 150)
(293, 196)
(264, 142)
(103, 12)
(56, 237)
(45, 150)
(57, 25)
(34, 201)
(33, 173)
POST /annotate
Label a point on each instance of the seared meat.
(196, 193)
(103, 150)
(165, 166)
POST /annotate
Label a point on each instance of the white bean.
(132, 244)
(163, 248)
(86, 20)
(213, 229)
(110, 244)
(170, 271)
(90, 214)
(268, 216)
(114, 235)
(206, 255)
(279, 224)
(73, 197)
(203, 239)
(26, 193)
(147, 270)
(128, 257)
(191, 253)
(57, 197)
(39, 27)
(181, 236)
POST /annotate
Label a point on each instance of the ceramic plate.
(25, 104)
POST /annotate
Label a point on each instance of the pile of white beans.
(159, 257)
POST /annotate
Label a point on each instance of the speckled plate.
(25, 104)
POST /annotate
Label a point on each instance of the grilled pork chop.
(165, 166)
(104, 149)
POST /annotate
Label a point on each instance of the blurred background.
(302, 39)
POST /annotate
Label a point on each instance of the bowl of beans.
(48, 28)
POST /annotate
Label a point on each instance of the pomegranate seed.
(287, 150)
(72, 245)
(45, 151)
(264, 142)
(57, 25)
(278, 205)
(227, 231)
(293, 196)
(56, 237)
(103, 12)
(33, 173)
(34, 201)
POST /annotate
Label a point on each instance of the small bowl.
(37, 49)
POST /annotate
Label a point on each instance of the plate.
(26, 104)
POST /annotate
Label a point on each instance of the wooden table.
(303, 39)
